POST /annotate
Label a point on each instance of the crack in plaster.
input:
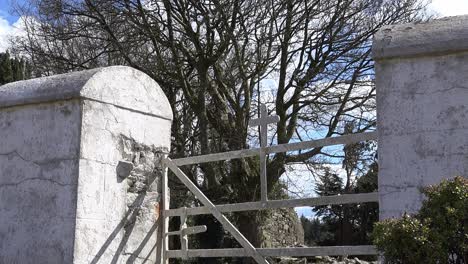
(37, 163)
(16, 184)
(415, 132)
(455, 87)
(40, 165)
(396, 189)
(401, 91)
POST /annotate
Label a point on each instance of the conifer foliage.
(13, 69)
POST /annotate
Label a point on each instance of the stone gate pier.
(422, 109)
(78, 180)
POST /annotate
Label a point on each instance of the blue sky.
(5, 11)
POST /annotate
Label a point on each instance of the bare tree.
(214, 59)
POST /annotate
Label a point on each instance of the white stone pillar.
(422, 109)
(78, 180)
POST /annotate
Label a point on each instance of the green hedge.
(437, 234)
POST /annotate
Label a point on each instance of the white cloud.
(5, 31)
(8, 30)
(449, 7)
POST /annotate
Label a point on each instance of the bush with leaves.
(437, 234)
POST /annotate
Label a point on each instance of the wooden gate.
(248, 250)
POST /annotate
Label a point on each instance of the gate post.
(422, 109)
(78, 180)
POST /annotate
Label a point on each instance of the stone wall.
(422, 109)
(79, 181)
(282, 228)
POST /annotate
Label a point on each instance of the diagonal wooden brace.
(216, 213)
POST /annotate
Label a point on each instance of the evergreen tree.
(314, 231)
(343, 224)
(349, 224)
(13, 69)
(367, 213)
(333, 216)
(6, 71)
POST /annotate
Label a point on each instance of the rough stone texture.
(282, 228)
(61, 140)
(320, 260)
(329, 260)
(422, 110)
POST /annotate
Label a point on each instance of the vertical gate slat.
(165, 218)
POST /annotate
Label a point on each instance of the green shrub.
(437, 234)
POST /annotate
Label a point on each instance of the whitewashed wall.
(422, 109)
(61, 141)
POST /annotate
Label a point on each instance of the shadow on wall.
(127, 225)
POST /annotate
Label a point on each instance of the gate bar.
(277, 252)
(274, 204)
(244, 153)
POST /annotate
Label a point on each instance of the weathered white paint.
(422, 109)
(61, 140)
